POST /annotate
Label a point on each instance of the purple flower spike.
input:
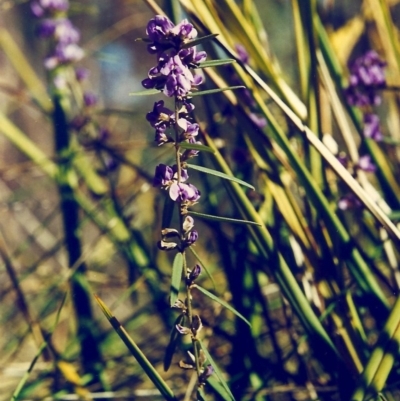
(366, 75)
(365, 164)
(368, 70)
(372, 127)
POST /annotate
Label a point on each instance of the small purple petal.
(365, 164)
(90, 99)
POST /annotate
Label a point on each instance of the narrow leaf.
(203, 265)
(215, 63)
(218, 388)
(200, 395)
(145, 92)
(173, 341)
(219, 174)
(176, 278)
(224, 219)
(221, 302)
(216, 370)
(137, 353)
(198, 41)
(195, 146)
(212, 91)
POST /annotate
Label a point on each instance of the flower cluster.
(173, 76)
(64, 37)
(175, 59)
(366, 77)
(56, 26)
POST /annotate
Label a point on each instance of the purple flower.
(158, 28)
(372, 127)
(184, 193)
(208, 371)
(259, 122)
(163, 175)
(184, 30)
(90, 99)
(164, 34)
(365, 164)
(81, 74)
(191, 238)
(63, 54)
(194, 274)
(362, 96)
(366, 75)
(161, 117)
(242, 53)
(191, 57)
(61, 29)
(39, 7)
(349, 201)
(367, 70)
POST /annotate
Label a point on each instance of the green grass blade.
(216, 63)
(176, 277)
(212, 91)
(216, 370)
(146, 92)
(219, 174)
(195, 146)
(201, 40)
(222, 302)
(223, 219)
(203, 265)
(137, 353)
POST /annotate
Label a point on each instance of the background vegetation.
(318, 284)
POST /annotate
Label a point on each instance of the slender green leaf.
(176, 278)
(224, 219)
(219, 174)
(218, 388)
(198, 41)
(212, 91)
(145, 92)
(203, 266)
(216, 370)
(173, 341)
(200, 395)
(195, 146)
(137, 353)
(221, 302)
(215, 63)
